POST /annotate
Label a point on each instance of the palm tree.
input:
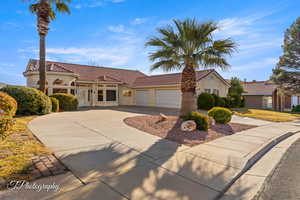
(45, 10)
(187, 46)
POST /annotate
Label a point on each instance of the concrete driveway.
(115, 161)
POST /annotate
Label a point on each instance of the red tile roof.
(166, 79)
(130, 77)
(259, 88)
(91, 73)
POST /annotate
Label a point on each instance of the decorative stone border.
(41, 166)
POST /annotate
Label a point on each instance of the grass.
(267, 115)
(17, 149)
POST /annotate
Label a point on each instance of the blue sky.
(113, 32)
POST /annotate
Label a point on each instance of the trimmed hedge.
(55, 104)
(296, 109)
(30, 101)
(8, 104)
(220, 115)
(205, 101)
(201, 120)
(6, 123)
(67, 102)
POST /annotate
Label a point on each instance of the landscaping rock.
(189, 125)
(162, 117)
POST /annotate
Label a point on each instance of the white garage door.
(142, 97)
(168, 98)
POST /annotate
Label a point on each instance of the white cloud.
(7, 65)
(117, 29)
(95, 3)
(264, 63)
(138, 21)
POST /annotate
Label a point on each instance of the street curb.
(253, 158)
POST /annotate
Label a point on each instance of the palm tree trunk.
(42, 23)
(188, 89)
(42, 63)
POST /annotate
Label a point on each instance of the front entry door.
(84, 96)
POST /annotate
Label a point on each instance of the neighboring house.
(102, 86)
(2, 85)
(265, 95)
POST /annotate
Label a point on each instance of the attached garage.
(168, 98)
(142, 97)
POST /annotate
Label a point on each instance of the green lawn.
(267, 115)
(17, 149)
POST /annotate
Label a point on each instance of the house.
(102, 86)
(267, 95)
(2, 85)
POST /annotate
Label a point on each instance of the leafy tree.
(287, 71)
(45, 10)
(235, 92)
(187, 46)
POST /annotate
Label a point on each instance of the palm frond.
(189, 41)
(166, 65)
(62, 8)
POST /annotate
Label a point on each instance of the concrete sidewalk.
(115, 161)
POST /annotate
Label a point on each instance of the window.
(57, 82)
(207, 91)
(216, 92)
(127, 93)
(100, 95)
(73, 91)
(111, 95)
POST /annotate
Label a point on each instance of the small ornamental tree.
(235, 92)
(287, 71)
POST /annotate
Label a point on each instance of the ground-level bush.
(8, 105)
(6, 123)
(219, 101)
(205, 101)
(201, 120)
(30, 101)
(67, 102)
(220, 115)
(55, 104)
(226, 102)
(296, 109)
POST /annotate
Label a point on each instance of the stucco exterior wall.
(33, 79)
(212, 81)
(124, 99)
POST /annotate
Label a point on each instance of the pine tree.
(287, 71)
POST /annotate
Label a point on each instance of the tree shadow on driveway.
(131, 174)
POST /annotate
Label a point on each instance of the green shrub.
(219, 101)
(243, 102)
(67, 102)
(205, 101)
(201, 120)
(55, 104)
(220, 115)
(226, 102)
(6, 123)
(8, 105)
(296, 109)
(30, 101)
(235, 101)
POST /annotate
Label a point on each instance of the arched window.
(57, 82)
(73, 83)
